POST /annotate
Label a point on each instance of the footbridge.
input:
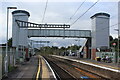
(22, 30)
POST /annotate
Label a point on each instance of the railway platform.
(44, 70)
(115, 66)
(26, 70)
(107, 70)
(36, 68)
(100, 63)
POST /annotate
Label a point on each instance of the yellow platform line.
(38, 72)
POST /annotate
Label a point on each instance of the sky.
(59, 11)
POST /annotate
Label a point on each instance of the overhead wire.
(76, 11)
(85, 12)
(44, 11)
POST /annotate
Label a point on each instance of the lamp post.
(6, 62)
(118, 46)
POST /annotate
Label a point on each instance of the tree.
(115, 46)
(111, 38)
(10, 42)
(63, 48)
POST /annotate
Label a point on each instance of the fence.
(13, 58)
(109, 54)
(10, 60)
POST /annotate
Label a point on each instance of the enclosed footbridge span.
(59, 33)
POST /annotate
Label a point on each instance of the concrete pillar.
(88, 48)
(100, 32)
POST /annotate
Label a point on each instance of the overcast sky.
(59, 11)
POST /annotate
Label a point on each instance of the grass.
(10, 68)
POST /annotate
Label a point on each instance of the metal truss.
(24, 24)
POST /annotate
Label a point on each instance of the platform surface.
(112, 66)
(28, 70)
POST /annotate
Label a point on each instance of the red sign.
(114, 44)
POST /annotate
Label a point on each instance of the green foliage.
(111, 38)
(73, 48)
(56, 50)
(10, 68)
(10, 42)
(114, 41)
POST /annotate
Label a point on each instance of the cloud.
(114, 35)
(58, 12)
(2, 38)
(55, 44)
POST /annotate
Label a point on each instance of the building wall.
(100, 32)
(19, 35)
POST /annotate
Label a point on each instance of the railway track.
(68, 70)
(61, 73)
